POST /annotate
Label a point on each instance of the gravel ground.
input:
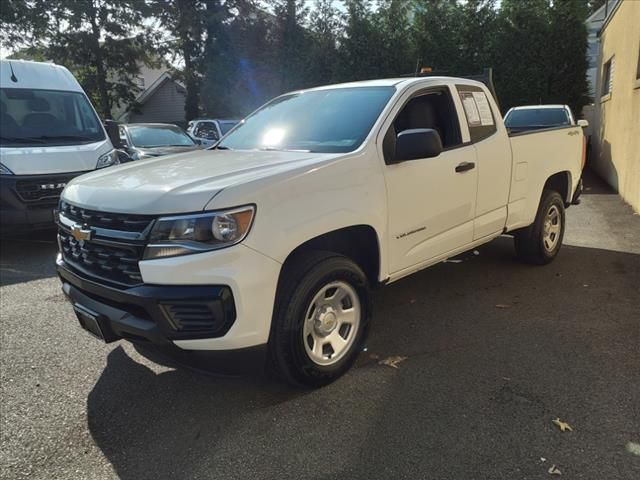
(475, 398)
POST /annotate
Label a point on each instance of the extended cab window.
(431, 109)
(477, 108)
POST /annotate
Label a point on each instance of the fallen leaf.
(476, 252)
(503, 305)
(542, 459)
(392, 361)
(563, 426)
(453, 261)
(633, 448)
(554, 470)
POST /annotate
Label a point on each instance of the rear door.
(489, 138)
(431, 201)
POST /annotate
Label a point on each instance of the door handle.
(464, 166)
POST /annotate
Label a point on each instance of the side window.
(123, 135)
(430, 109)
(477, 109)
(607, 77)
(206, 130)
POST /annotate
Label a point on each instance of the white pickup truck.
(269, 244)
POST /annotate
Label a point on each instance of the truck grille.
(42, 190)
(115, 245)
(113, 221)
(115, 263)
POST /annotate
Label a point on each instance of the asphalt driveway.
(495, 351)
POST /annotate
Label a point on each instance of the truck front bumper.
(221, 321)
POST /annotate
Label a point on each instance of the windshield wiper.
(63, 137)
(273, 149)
(22, 139)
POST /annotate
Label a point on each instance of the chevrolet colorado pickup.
(269, 244)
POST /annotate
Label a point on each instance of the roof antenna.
(418, 62)
(13, 77)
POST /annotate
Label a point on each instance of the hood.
(39, 160)
(169, 150)
(178, 183)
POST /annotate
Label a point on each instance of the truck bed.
(535, 155)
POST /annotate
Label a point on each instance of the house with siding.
(616, 139)
(161, 100)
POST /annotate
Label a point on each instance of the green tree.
(291, 42)
(19, 20)
(324, 27)
(220, 60)
(477, 28)
(437, 28)
(567, 78)
(95, 40)
(396, 50)
(522, 52)
(183, 22)
(360, 43)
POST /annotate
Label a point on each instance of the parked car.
(147, 140)
(535, 117)
(209, 131)
(49, 134)
(268, 245)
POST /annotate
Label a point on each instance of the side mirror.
(417, 143)
(583, 123)
(123, 156)
(112, 131)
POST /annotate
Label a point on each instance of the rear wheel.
(320, 318)
(539, 243)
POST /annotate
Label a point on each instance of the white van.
(49, 134)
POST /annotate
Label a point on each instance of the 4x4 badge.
(81, 233)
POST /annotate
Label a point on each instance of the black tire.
(531, 244)
(300, 281)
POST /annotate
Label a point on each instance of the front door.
(431, 201)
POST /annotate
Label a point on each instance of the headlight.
(172, 236)
(4, 170)
(108, 159)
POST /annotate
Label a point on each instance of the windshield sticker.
(483, 108)
(470, 109)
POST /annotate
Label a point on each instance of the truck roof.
(528, 107)
(389, 82)
(36, 75)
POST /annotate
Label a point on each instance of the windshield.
(333, 120)
(227, 125)
(537, 117)
(148, 136)
(46, 117)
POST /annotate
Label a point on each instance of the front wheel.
(540, 243)
(320, 318)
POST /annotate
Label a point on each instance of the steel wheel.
(551, 228)
(331, 323)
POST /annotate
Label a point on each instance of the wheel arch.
(361, 243)
(561, 182)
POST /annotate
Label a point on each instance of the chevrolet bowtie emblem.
(81, 233)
